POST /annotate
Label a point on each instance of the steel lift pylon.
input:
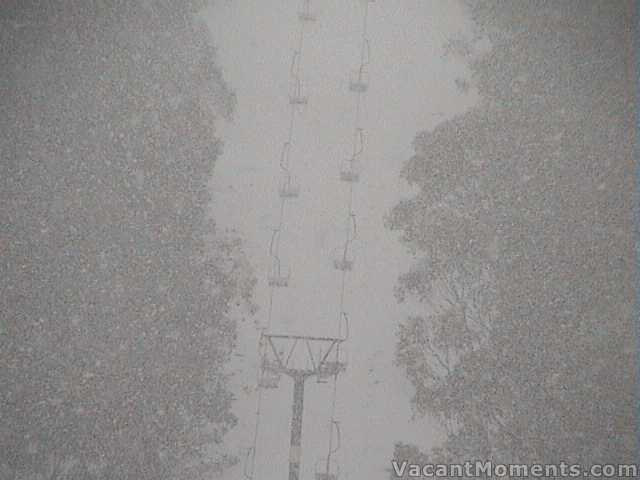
(322, 365)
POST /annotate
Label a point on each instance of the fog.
(447, 277)
(255, 45)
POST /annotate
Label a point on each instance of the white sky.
(411, 89)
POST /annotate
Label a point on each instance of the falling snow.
(257, 240)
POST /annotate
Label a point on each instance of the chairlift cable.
(358, 147)
(274, 252)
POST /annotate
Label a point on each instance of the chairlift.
(344, 320)
(358, 86)
(288, 189)
(297, 98)
(276, 277)
(305, 15)
(328, 473)
(358, 83)
(279, 281)
(284, 157)
(326, 476)
(335, 367)
(323, 377)
(270, 366)
(344, 261)
(343, 264)
(249, 464)
(269, 379)
(350, 171)
(329, 369)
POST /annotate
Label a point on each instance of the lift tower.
(308, 356)
(320, 358)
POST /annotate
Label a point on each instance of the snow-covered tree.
(522, 231)
(118, 293)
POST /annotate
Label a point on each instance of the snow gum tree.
(521, 228)
(119, 296)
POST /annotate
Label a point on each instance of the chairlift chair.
(344, 260)
(297, 98)
(270, 366)
(358, 83)
(269, 379)
(357, 86)
(336, 366)
(248, 464)
(350, 171)
(323, 377)
(328, 369)
(305, 15)
(327, 474)
(276, 277)
(279, 281)
(288, 189)
(344, 263)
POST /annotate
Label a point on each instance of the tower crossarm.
(319, 363)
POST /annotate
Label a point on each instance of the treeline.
(117, 290)
(522, 232)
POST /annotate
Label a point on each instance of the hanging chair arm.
(359, 142)
(284, 157)
(366, 53)
(248, 475)
(276, 231)
(294, 59)
(354, 225)
(338, 437)
(345, 317)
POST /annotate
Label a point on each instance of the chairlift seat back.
(306, 16)
(298, 100)
(268, 383)
(289, 191)
(358, 86)
(343, 264)
(349, 176)
(326, 476)
(278, 281)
